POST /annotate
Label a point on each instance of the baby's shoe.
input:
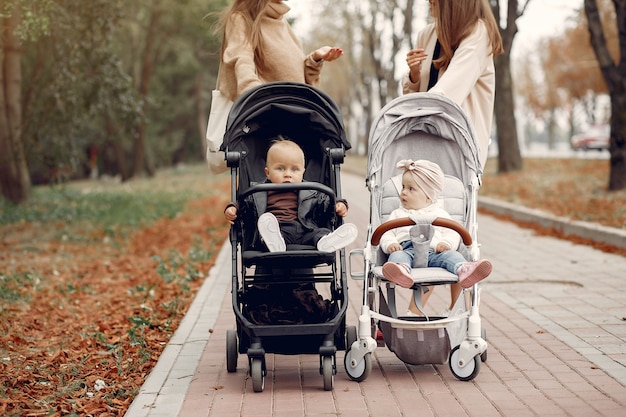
(270, 233)
(339, 238)
(471, 272)
(398, 273)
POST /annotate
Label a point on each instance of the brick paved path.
(554, 314)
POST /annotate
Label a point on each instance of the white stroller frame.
(439, 125)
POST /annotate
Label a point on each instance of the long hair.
(251, 11)
(457, 19)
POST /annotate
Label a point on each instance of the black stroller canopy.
(301, 112)
(292, 109)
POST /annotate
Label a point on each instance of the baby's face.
(412, 197)
(284, 166)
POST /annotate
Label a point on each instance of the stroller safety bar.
(290, 186)
(439, 221)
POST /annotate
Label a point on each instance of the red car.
(596, 137)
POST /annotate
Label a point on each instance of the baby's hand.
(394, 247)
(341, 209)
(442, 247)
(231, 214)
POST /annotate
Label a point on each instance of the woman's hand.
(326, 53)
(414, 60)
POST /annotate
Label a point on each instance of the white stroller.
(432, 127)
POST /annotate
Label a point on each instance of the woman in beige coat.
(454, 58)
(259, 46)
(464, 70)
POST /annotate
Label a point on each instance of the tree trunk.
(118, 149)
(615, 78)
(617, 174)
(14, 177)
(141, 160)
(201, 111)
(509, 156)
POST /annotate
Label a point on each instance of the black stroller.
(274, 294)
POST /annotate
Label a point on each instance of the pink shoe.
(398, 273)
(471, 272)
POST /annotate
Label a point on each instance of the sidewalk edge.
(168, 382)
(591, 231)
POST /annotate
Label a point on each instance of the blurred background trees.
(110, 87)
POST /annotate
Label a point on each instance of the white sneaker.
(340, 238)
(270, 233)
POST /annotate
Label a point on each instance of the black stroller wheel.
(328, 373)
(483, 356)
(351, 336)
(256, 373)
(231, 350)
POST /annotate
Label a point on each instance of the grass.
(95, 276)
(78, 208)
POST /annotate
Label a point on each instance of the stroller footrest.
(290, 258)
(425, 276)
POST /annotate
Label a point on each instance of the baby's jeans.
(449, 259)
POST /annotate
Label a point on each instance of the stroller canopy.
(422, 126)
(305, 114)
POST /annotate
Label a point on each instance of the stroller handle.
(406, 221)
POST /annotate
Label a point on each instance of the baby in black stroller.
(290, 217)
(287, 234)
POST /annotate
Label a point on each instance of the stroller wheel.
(467, 372)
(231, 350)
(327, 373)
(362, 369)
(483, 356)
(351, 336)
(256, 372)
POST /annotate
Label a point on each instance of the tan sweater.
(283, 51)
(469, 80)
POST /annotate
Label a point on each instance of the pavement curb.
(591, 231)
(163, 392)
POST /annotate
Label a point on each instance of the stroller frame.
(259, 114)
(438, 119)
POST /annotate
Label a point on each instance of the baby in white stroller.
(422, 183)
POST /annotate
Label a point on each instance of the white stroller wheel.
(467, 372)
(362, 369)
